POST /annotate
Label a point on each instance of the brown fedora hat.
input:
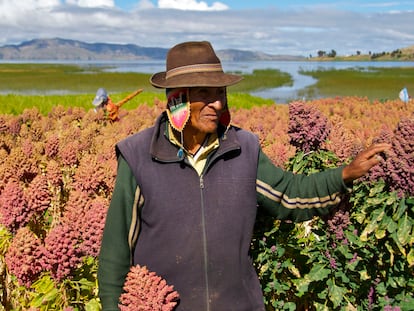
(193, 64)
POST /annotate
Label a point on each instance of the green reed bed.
(30, 78)
(262, 79)
(56, 78)
(373, 83)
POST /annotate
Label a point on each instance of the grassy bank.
(373, 83)
(16, 104)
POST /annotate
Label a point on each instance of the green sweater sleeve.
(115, 254)
(285, 195)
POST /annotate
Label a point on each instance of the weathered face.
(207, 104)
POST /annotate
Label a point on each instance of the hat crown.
(193, 64)
(191, 53)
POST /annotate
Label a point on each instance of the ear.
(225, 117)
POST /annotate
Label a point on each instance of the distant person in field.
(188, 190)
(403, 95)
(103, 101)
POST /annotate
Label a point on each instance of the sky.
(288, 27)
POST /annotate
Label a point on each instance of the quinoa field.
(57, 172)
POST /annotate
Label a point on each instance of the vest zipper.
(205, 253)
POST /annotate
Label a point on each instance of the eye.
(221, 91)
(207, 94)
(203, 92)
(199, 94)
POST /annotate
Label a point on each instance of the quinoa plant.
(360, 256)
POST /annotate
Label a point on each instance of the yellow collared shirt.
(199, 159)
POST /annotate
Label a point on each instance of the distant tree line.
(321, 53)
(394, 54)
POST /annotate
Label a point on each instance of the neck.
(193, 142)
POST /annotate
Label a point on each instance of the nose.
(218, 104)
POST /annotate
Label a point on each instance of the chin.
(211, 129)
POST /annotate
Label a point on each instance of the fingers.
(376, 148)
(364, 161)
(374, 151)
(378, 158)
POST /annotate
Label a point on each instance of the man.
(187, 192)
(103, 101)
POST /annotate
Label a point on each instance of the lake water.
(279, 95)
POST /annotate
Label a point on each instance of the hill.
(408, 50)
(64, 49)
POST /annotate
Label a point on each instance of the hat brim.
(97, 101)
(196, 79)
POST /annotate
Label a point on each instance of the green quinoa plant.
(358, 257)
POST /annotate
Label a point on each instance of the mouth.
(211, 116)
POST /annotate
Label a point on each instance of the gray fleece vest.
(196, 230)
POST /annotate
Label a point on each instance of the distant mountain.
(64, 49)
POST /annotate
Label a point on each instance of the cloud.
(144, 4)
(291, 32)
(191, 5)
(92, 3)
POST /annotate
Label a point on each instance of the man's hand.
(363, 162)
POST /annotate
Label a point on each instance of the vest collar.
(164, 151)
